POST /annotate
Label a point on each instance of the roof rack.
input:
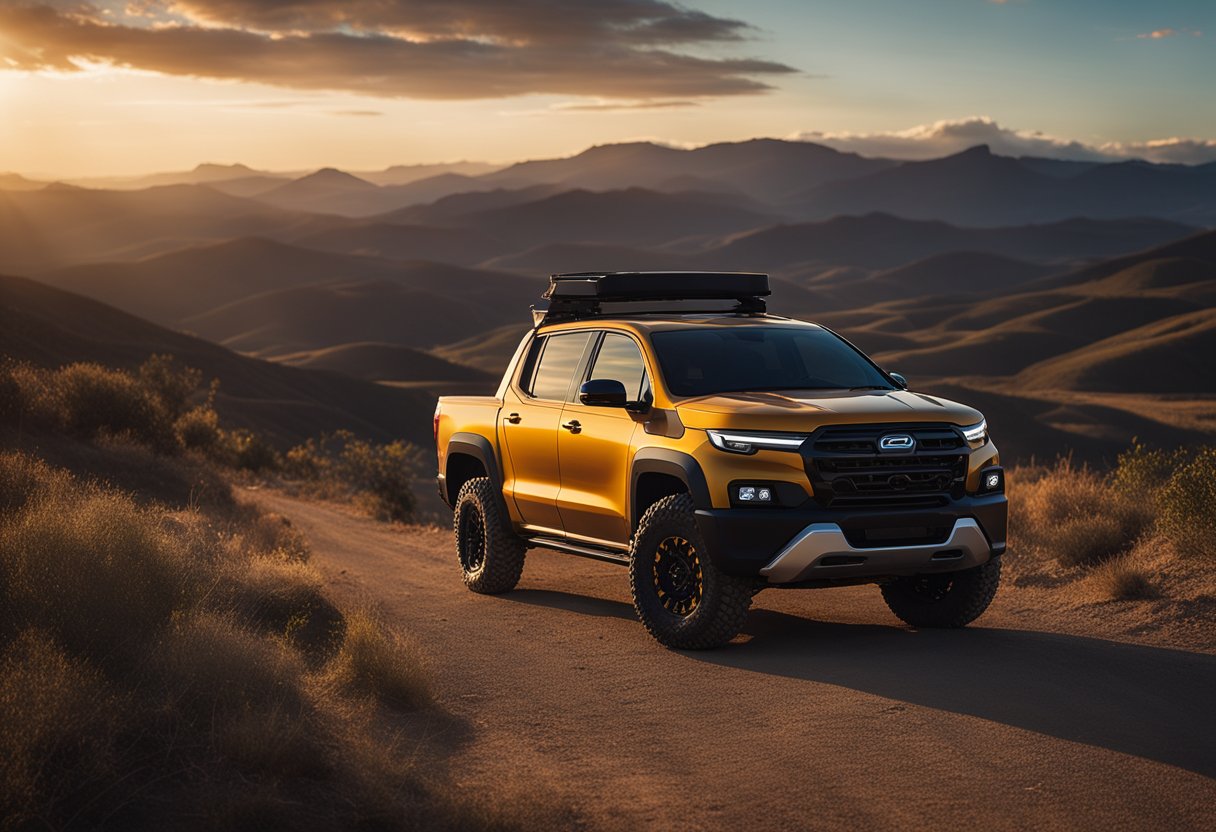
(585, 294)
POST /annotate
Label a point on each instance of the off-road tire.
(947, 600)
(490, 554)
(721, 611)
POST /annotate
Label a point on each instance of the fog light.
(747, 493)
(764, 495)
(992, 481)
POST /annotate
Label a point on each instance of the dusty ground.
(826, 714)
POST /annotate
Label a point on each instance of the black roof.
(584, 294)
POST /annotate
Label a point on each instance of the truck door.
(531, 418)
(593, 447)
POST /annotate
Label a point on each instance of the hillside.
(1172, 355)
(188, 288)
(979, 188)
(634, 216)
(329, 314)
(378, 361)
(883, 241)
(49, 327)
(765, 169)
(458, 246)
(62, 225)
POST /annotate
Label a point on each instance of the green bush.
(248, 451)
(342, 465)
(1187, 504)
(1142, 471)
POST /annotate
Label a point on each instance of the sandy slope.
(827, 714)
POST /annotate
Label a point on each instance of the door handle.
(514, 418)
(573, 426)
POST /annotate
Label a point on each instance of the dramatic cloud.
(606, 106)
(930, 141)
(432, 49)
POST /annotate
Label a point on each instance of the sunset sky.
(140, 85)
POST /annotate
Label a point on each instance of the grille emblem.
(896, 442)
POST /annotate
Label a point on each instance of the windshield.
(700, 362)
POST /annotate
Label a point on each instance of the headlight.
(976, 434)
(749, 443)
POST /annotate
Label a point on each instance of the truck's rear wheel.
(949, 599)
(491, 555)
(683, 600)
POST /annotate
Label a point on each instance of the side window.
(559, 359)
(619, 358)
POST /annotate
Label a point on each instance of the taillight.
(436, 427)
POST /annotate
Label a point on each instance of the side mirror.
(602, 392)
(899, 379)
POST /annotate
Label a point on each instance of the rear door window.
(559, 358)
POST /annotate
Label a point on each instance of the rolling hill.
(634, 216)
(185, 287)
(50, 327)
(769, 170)
(976, 187)
(329, 314)
(372, 361)
(885, 241)
(62, 225)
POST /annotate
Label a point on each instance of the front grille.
(849, 470)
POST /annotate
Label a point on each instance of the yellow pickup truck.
(666, 422)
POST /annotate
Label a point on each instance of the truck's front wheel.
(950, 599)
(491, 555)
(683, 600)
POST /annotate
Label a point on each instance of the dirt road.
(826, 714)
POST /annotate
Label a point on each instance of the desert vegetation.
(1130, 533)
(168, 656)
(165, 408)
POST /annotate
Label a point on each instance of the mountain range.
(1071, 300)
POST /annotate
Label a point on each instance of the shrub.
(1141, 471)
(379, 476)
(1122, 579)
(1075, 516)
(199, 429)
(169, 385)
(90, 400)
(376, 662)
(247, 451)
(155, 672)
(1187, 503)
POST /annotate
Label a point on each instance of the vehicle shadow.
(1150, 702)
(572, 602)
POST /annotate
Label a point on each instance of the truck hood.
(803, 411)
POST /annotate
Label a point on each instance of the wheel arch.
(660, 472)
(469, 455)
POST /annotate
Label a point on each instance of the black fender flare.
(476, 446)
(672, 463)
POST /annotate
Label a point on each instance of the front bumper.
(792, 546)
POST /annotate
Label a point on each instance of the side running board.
(583, 551)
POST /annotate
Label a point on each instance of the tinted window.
(698, 362)
(558, 360)
(619, 358)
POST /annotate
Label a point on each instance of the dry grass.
(170, 668)
(1073, 515)
(163, 408)
(1124, 579)
(1141, 532)
(378, 478)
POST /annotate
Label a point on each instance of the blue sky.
(1076, 68)
(110, 86)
